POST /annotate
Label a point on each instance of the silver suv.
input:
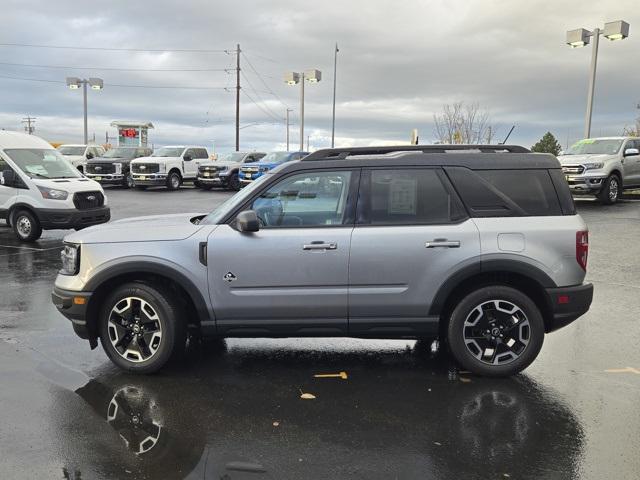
(479, 246)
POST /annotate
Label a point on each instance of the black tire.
(128, 181)
(234, 182)
(204, 186)
(26, 226)
(490, 327)
(173, 181)
(141, 187)
(611, 190)
(167, 319)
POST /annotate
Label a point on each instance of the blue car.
(252, 171)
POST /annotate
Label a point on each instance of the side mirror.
(247, 221)
(8, 178)
(89, 155)
(630, 152)
(187, 158)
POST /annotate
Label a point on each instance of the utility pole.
(238, 98)
(308, 142)
(288, 110)
(302, 111)
(333, 117)
(30, 124)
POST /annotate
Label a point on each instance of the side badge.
(229, 277)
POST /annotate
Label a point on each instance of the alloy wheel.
(496, 332)
(134, 328)
(613, 189)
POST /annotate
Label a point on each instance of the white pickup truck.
(603, 167)
(168, 166)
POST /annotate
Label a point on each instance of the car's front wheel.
(234, 182)
(141, 328)
(495, 331)
(26, 226)
(610, 190)
(174, 181)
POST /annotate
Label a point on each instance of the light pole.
(293, 78)
(96, 84)
(333, 112)
(287, 120)
(618, 30)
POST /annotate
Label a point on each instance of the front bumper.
(213, 180)
(64, 218)
(585, 184)
(108, 178)
(568, 304)
(73, 305)
(149, 178)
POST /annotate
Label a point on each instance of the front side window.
(42, 163)
(276, 157)
(309, 199)
(410, 197)
(168, 152)
(201, 153)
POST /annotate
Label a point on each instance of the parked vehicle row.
(602, 167)
(479, 246)
(224, 172)
(114, 167)
(78, 155)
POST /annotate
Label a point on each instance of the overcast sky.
(399, 62)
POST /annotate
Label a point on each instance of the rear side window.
(413, 196)
(506, 193)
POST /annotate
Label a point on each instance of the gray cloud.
(398, 63)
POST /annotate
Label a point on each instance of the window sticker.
(403, 196)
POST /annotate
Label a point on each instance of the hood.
(139, 229)
(71, 185)
(580, 159)
(106, 160)
(154, 159)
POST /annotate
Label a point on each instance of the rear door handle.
(440, 242)
(320, 246)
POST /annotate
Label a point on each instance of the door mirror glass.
(630, 152)
(8, 178)
(247, 221)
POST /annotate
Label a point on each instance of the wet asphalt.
(232, 409)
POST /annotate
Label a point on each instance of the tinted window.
(497, 193)
(410, 196)
(201, 153)
(304, 200)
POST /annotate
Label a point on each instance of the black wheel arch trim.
(149, 267)
(487, 266)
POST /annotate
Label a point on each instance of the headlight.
(53, 194)
(264, 169)
(593, 166)
(118, 167)
(70, 256)
(162, 167)
(222, 169)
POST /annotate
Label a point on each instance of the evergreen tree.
(547, 144)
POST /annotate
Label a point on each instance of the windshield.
(231, 157)
(168, 152)
(42, 163)
(221, 210)
(71, 150)
(276, 157)
(591, 146)
(120, 153)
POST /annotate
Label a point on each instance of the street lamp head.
(291, 78)
(617, 30)
(313, 76)
(578, 38)
(96, 83)
(73, 83)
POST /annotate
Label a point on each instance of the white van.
(39, 189)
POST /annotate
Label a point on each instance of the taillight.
(582, 248)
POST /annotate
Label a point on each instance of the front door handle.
(443, 242)
(320, 246)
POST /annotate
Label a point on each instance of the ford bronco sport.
(480, 246)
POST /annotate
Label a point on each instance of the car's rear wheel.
(140, 327)
(173, 181)
(26, 226)
(610, 190)
(495, 331)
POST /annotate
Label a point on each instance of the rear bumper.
(73, 305)
(568, 304)
(64, 218)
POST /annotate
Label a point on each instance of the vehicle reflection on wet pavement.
(233, 409)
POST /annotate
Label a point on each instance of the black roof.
(476, 157)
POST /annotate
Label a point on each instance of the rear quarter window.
(506, 193)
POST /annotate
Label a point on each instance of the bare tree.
(461, 123)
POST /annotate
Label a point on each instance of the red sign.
(129, 132)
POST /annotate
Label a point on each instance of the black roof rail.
(340, 153)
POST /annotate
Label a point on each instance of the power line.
(253, 89)
(184, 69)
(29, 124)
(260, 107)
(73, 47)
(263, 82)
(183, 87)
